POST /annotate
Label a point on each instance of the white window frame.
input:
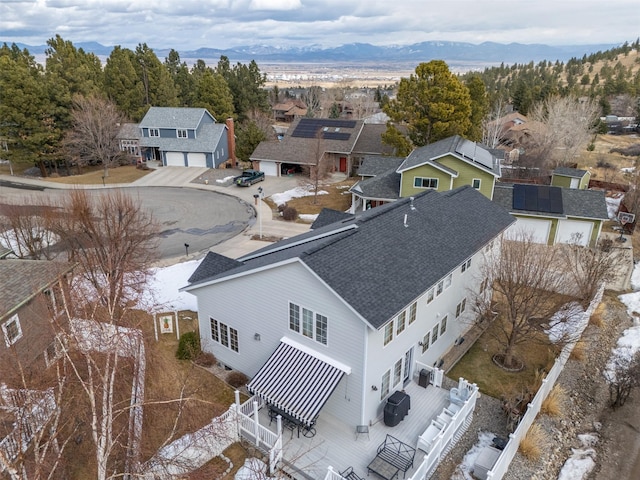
(440, 288)
(426, 341)
(443, 325)
(401, 323)
(397, 373)
(308, 323)
(465, 266)
(431, 295)
(413, 310)
(434, 333)
(5, 329)
(432, 183)
(385, 384)
(182, 133)
(154, 132)
(473, 183)
(388, 334)
(447, 281)
(460, 308)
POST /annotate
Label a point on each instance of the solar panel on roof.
(308, 127)
(538, 198)
(336, 136)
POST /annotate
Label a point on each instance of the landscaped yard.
(336, 198)
(478, 367)
(93, 176)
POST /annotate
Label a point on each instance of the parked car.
(249, 177)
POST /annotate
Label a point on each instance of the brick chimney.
(231, 140)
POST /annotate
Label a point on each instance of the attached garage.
(196, 160)
(574, 231)
(175, 159)
(538, 228)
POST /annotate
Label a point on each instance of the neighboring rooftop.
(569, 172)
(24, 279)
(328, 216)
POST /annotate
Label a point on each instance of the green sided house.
(553, 214)
(442, 166)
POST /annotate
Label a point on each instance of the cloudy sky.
(190, 24)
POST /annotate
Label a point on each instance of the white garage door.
(196, 160)
(175, 159)
(574, 231)
(537, 228)
(269, 168)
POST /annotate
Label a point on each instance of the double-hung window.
(386, 380)
(412, 312)
(443, 325)
(388, 333)
(401, 322)
(224, 334)
(182, 133)
(154, 132)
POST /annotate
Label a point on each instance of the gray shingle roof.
(329, 216)
(373, 165)
(213, 264)
(24, 279)
(379, 266)
(385, 186)
(471, 152)
(569, 172)
(170, 117)
(129, 131)
(370, 140)
(209, 136)
(576, 203)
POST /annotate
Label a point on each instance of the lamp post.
(186, 249)
(261, 194)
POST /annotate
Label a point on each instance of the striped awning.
(297, 380)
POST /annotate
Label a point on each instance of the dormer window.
(154, 132)
(182, 133)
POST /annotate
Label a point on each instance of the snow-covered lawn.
(164, 284)
(298, 192)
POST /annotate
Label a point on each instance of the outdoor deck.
(335, 443)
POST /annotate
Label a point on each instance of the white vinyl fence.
(502, 465)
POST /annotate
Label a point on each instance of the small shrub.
(281, 207)
(206, 359)
(534, 443)
(591, 147)
(596, 319)
(189, 346)
(579, 351)
(289, 213)
(237, 379)
(553, 405)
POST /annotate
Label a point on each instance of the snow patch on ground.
(309, 218)
(164, 284)
(44, 238)
(464, 470)
(581, 462)
(225, 179)
(566, 323)
(298, 192)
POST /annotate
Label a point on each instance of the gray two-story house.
(185, 137)
(336, 318)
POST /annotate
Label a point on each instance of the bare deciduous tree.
(493, 125)
(568, 127)
(93, 135)
(525, 277)
(623, 375)
(113, 238)
(318, 169)
(26, 228)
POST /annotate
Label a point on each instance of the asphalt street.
(200, 219)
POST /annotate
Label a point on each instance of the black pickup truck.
(249, 177)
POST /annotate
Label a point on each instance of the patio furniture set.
(291, 422)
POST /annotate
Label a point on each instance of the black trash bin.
(423, 379)
(397, 407)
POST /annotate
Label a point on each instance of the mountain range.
(455, 52)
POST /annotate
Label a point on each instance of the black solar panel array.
(537, 198)
(308, 128)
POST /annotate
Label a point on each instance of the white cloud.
(275, 4)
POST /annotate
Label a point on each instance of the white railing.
(332, 475)
(506, 456)
(447, 437)
(249, 424)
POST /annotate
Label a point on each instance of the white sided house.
(336, 319)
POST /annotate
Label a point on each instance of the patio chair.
(362, 430)
(349, 474)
